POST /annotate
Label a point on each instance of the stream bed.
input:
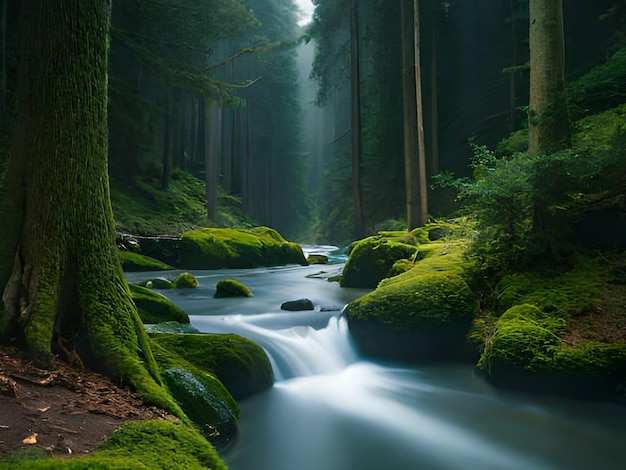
(331, 409)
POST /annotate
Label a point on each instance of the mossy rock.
(232, 288)
(527, 352)
(157, 283)
(317, 259)
(154, 444)
(422, 314)
(371, 260)
(202, 405)
(239, 363)
(134, 262)
(215, 248)
(156, 308)
(185, 281)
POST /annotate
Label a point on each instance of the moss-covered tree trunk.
(64, 290)
(548, 123)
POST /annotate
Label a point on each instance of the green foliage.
(602, 88)
(565, 294)
(156, 308)
(142, 208)
(232, 288)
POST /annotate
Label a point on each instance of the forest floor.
(62, 410)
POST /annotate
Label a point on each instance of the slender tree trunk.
(167, 158)
(434, 99)
(3, 82)
(65, 292)
(512, 77)
(213, 146)
(410, 120)
(548, 126)
(359, 218)
(421, 147)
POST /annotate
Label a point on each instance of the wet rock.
(297, 305)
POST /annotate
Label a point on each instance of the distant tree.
(548, 121)
(64, 290)
(355, 80)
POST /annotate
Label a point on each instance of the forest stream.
(331, 409)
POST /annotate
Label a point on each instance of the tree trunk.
(410, 120)
(213, 148)
(548, 125)
(65, 292)
(359, 218)
(421, 148)
(434, 114)
(167, 158)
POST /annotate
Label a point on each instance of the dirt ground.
(63, 410)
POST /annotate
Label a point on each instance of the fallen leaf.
(32, 439)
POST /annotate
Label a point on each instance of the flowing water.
(332, 410)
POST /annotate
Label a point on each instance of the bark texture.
(65, 292)
(548, 122)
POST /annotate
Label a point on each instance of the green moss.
(240, 364)
(134, 262)
(232, 288)
(418, 302)
(168, 358)
(371, 260)
(202, 405)
(143, 208)
(148, 445)
(156, 308)
(213, 248)
(530, 339)
(525, 337)
(185, 281)
(573, 292)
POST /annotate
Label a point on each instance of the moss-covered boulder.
(215, 248)
(232, 288)
(202, 405)
(155, 444)
(531, 350)
(424, 314)
(317, 259)
(239, 363)
(135, 262)
(371, 259)
(156, 308)
(157, 283)
(185, 281)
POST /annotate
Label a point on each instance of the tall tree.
(409, 88)
(415, 150)
(355, 79)
(548, 123)
(64, 289)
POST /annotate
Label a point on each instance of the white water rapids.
(332, 410)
